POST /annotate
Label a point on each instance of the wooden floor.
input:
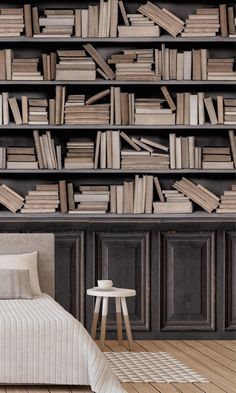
(216, 360)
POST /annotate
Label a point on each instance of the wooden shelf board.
(198, 215)
(117, 82)
(115, 127)
(162, 38)
(114, 171)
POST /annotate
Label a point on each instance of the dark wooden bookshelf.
(182, 265)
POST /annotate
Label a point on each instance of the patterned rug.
(139, 367)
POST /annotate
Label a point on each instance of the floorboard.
(215, 360)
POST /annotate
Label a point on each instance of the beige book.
(109, 149)
(138, 31)
(158, 188)
(114, 18)
(220, 109)
(231, 20)
(186, 108)
(149, 194)
(154, 144)
(63, 196)
(115, 150)
(97, 149)
(117, 101)
(58, 104)
(84, 23)
(119, 199)
(97, 96)
(172, 207)
(193, 109)
(180, 108)
(78, 23)
(103, 151)
(123, 12)
(28, 20)
(191, 147)
(52, 108)
(178, 153)
(210, 110)
(201, 110)
(196, 64)
(100, 61)
(180, 66)
(130, 141)
(124, 108)
(223, 20)
(168, 98)
(24, 108)
(113, 202)
(15, 110)
(160, 119)
(187, 65)
(70, 193)
(172, 147)
(35, 20)
(8, 58)
(233, 145)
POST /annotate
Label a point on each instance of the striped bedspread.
(41, 343)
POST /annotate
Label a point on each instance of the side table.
(120, 295)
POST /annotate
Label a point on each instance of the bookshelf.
(82, 240)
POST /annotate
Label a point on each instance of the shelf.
(115, 127)
(163, 38)
(196, 216)
(117, 82)
(115, 171)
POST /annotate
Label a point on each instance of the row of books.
(117, 150)
(122, 108)
(130, 64)
(104, 20)
(143, 195)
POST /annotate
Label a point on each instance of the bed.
(41, 343)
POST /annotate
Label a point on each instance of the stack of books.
(80, 154)
(221, 69)
(150, 111)
(198, 194)
(107, 151)
(229, 111)
(205, 23)
(183, 153)
(228, 201)
(57, 23)
(137, 25)
(216, 158)
(135, 64)
(26, 69)
(44, 200)
(163, 18)
(38, 111)
(21, 158)
(92, 199)
(175, 202)
(10, 199)
(3, 157)
(149, 155)
(75, 65)
(11, 22)
(48, 155)
(79, 112)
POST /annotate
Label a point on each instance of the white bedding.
(41, 343)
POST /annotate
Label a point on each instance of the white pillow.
(24, 262)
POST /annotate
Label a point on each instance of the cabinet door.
(187, 281)
(230, 281)
(69, 272)
(124, 258)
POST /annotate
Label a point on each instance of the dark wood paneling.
(230, 281)
(124, 258)
(70, 270)
(187, 281)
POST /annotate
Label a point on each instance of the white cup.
(105, 284)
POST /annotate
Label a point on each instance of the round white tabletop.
(112, 292)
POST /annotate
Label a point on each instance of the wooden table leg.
(95, 317)
(127, 322)
(104, 322)
(119, 321)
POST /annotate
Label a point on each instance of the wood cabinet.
(184, 272)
